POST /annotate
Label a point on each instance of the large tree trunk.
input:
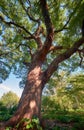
(30, 102)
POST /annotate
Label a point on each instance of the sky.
(11, 84)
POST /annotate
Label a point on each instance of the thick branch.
(36, 38)
(50, 33)
(39, 42)
(39, 31)
(46, 16)
(37, 34)
(54, 65)
(54, 48)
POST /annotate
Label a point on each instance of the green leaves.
(8, 105)
(8, 128)
(30, 124)
(9, 100)
(66, 90)
(18, 25)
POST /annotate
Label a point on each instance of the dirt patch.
(50, 124)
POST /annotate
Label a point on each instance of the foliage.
(9, 99)
(67, 90)
(30, 124)
(60, 104)
(55, 112)
(19, 21)
(33, 124)
(79, 126)
(8, 105)
(73, 119)
(8, 128)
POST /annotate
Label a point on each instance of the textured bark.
(30, 102)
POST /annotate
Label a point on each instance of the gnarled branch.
(46, 16)
(60, 58)
(49, 28)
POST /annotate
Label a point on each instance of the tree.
(8, 105)
(9, 99)
(75, 90)
(36, 37)
(66, 90)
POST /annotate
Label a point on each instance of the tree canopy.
(22, 28)
(38, 38)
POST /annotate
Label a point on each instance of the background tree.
(36, 37)
(9, 99)
(66, 91)
(8, 105)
